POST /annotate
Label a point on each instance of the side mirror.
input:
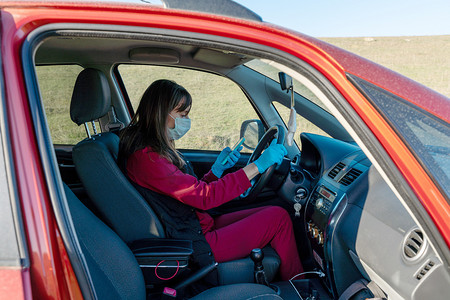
(252, 131)
(285, 81)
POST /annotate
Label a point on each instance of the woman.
(149, 158)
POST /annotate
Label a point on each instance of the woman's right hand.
(231, 157)
(272, 155)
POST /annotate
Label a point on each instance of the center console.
(326, 205)
(322, 205)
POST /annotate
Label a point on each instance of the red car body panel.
(50, 269)
(14, 284)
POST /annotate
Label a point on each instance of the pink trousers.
(236, 234)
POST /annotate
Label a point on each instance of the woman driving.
(148, 155)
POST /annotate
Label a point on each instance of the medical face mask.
(182, 126)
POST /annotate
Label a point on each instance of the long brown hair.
(148, 126)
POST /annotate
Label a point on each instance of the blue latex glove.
(232, 157)
(272, 155)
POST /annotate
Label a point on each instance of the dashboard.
(356, 227)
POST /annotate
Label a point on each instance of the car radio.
(323, 198)
(318, 211)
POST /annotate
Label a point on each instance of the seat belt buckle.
(170, 292)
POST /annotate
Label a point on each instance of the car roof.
(347, 62)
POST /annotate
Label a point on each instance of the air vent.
(414, 245)
(350, 177)
(336, 170)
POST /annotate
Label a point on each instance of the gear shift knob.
(257, 256)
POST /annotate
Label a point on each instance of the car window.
(303, 125)
(266, 68)
(219, 105)
(56, 84)
(426, 135)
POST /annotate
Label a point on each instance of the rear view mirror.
(285, 81)
(252, 131)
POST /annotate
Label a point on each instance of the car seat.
(114, 271)
(118, 203)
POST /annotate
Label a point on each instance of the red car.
(366, 180)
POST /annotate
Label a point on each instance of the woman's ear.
(170, 122)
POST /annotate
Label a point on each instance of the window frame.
(13, 251)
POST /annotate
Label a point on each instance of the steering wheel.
(259, 182)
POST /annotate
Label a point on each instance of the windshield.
(268, 69)
(427, 136)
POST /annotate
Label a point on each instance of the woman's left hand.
(231, 159)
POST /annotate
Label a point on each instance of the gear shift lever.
(257, 256)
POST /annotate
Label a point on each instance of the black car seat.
(118, 203)
(114, 271)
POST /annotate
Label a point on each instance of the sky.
(354, 18)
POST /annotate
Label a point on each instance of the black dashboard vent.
(350, 177)
(332, 174)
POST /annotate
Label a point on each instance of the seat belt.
(360, 285)
(376, 290)
(113, 125)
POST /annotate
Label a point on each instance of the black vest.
(181, 222)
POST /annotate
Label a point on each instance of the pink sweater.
(150, 170)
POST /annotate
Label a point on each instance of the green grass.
(56, 85)
(425, 59)
(220, 106)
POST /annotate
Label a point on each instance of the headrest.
(91, 97)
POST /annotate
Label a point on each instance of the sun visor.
(155, 55)
(226, 59)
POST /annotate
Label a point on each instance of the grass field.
(423, 59)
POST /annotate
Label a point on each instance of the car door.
(35, 163)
